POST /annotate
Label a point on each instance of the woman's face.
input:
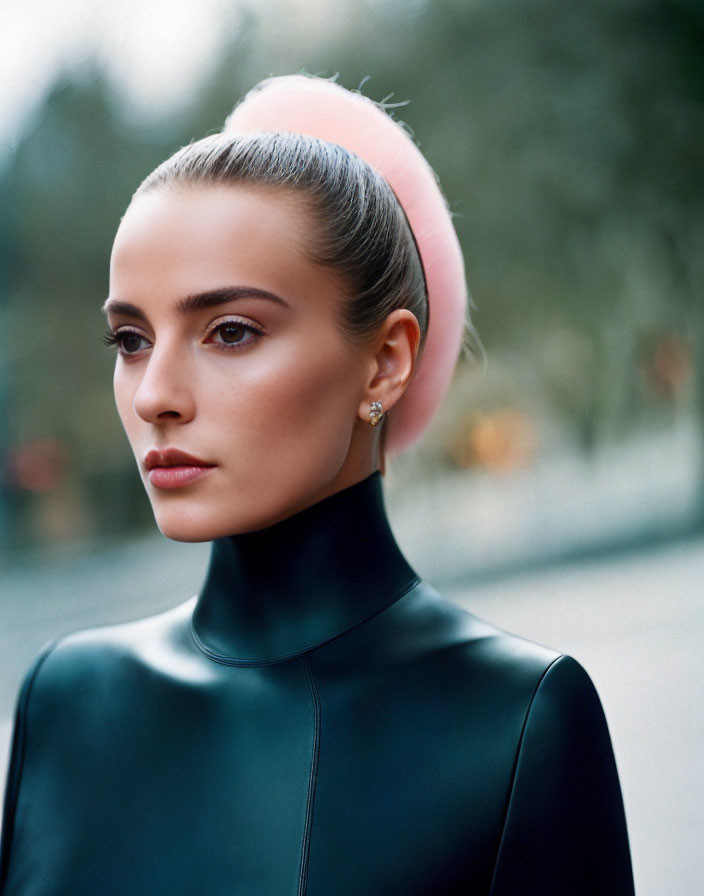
(238, 391)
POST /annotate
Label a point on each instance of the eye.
(128, 342)
(232, 334)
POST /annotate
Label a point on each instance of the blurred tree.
(568, 138)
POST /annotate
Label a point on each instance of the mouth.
(172, 468)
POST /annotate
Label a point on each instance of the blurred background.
(561, 492)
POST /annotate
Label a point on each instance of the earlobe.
(394, 359)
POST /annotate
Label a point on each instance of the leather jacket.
(317, 721)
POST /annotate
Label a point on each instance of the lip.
(171, 468)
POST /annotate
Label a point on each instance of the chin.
(188, 525)
(181, 524)
(204, 516)
(186, 535)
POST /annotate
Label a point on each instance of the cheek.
(299, 411)
(124, 399)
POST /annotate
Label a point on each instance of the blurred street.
(635, 621)
(558, 490)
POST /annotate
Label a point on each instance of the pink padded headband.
(320, 108)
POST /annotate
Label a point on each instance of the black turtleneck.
(317, 721)
(271, 595)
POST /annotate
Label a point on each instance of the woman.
(317, 720)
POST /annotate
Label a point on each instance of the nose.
(165, 391)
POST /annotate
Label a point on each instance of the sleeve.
(14, 774)
(565, 828)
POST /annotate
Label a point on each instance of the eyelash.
(117, 337)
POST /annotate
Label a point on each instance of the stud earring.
(376, 412)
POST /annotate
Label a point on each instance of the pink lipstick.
(172, 468)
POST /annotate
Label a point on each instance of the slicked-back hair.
(359, 230)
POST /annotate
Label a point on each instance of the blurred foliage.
(569, 141)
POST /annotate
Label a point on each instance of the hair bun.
(321, 108)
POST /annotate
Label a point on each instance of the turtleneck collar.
(276, 593)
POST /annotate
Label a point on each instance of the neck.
(279, 592)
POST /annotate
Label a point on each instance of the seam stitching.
(225, 660)
(514, 771)
(312, 779)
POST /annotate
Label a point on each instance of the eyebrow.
(212, 298)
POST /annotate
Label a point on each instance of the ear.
(393, 360)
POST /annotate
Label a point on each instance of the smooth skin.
(230, 348)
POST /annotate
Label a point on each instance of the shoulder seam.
(312, 778)
(514, 770)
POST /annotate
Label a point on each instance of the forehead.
(181, 240)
